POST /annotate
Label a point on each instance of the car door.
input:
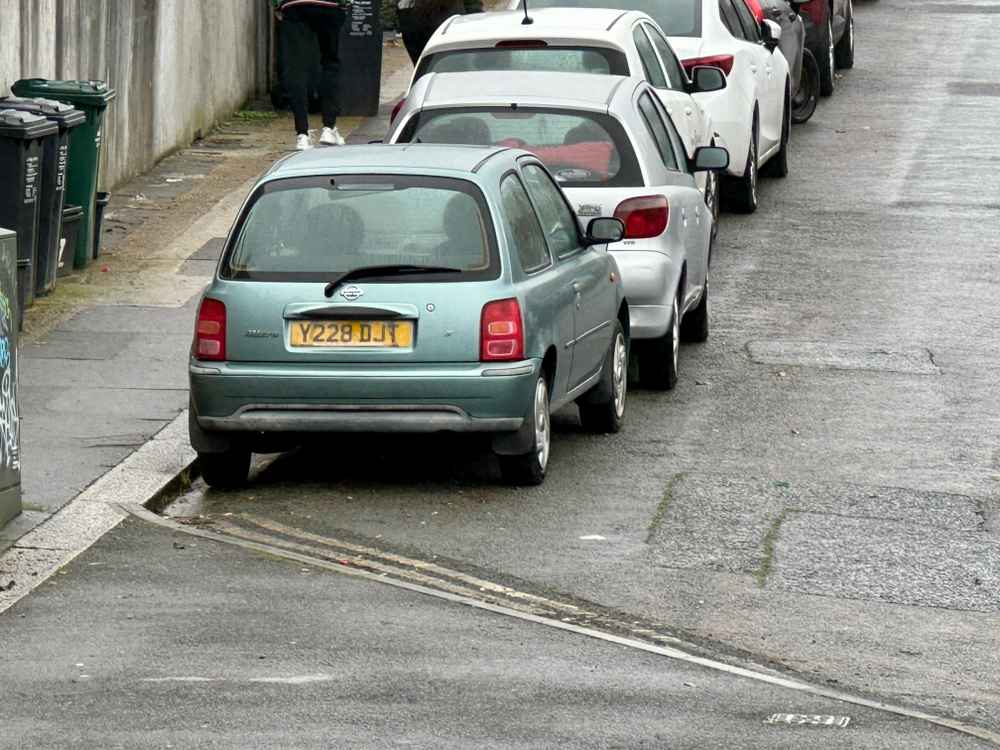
(689, 116)
(770, 81)
(690, 220)
(584, 267)
(548, 296)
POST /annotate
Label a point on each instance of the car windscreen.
(581, 149)
(594, 60)
(675, 17)
(312, 228)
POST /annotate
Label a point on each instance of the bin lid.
(7, 233)
(24, 125)
(87, 93)
(64, 115)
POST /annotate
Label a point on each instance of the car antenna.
(527, 19)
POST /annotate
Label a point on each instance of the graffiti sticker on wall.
(10, 454)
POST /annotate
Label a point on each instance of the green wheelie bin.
(92, 97)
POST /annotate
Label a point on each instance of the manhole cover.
(909, 360)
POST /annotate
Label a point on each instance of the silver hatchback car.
(407, 289)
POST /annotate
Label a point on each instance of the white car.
(610, 143)
(599, 41)
(752, 112)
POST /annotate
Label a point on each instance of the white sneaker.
(302, 142)
(331, 137)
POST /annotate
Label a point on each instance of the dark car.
(801, 62)
(830, 37)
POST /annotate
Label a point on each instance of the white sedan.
(598, 41)
(752, 112)
(613, 148)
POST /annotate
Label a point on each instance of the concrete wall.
(178, 65)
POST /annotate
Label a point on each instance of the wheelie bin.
(22, 135)
(92, 98)
(10, 446)
(55, 157)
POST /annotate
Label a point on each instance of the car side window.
(522, 226)
(675, 137)
(558, 222)
(731, 19)
(676, 77)
(650, 63)
(750, 27)
(658, 130)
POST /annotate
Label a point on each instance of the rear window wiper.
(371, 271)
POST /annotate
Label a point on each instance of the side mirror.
(707, 78)
(710, 159)
(770, 33)
(605, 230)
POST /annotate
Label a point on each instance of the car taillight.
(522, 44)
(395, 110)
(210, 331)
(644, 217)
(501, 335)
(722, 62)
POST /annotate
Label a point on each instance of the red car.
(829, 36)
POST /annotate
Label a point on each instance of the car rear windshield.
(675, 17)
(312, 228)
(581, 149)
(596, 60)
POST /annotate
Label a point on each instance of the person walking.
(419, 19)
(303, 24)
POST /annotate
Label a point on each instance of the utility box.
(10, 427)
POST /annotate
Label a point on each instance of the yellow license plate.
(391, 334)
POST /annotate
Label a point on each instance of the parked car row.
(545, 207)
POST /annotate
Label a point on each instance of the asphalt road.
(818, 496)
(820, 492)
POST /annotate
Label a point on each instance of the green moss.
(770, 540)
(663, 507)
(254, 115)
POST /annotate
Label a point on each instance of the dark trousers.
(301, 30)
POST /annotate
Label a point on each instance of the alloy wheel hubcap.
(542, 434)
(619, 373)
(675, 333)
(753, 170)
(829, 50)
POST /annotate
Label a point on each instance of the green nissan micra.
(417, 288)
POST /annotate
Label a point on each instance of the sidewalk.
(103, 362)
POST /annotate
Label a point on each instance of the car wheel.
(807, 97)
(777, 165)
(227, 470)
(844, 53)
(741, 192)
(825, 58)
(529, 468)
(658, 358)
(694, 327)
(604, 410)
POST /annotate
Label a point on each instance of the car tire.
(844, 51)
(658, 358)
(227, 470)
(741, 192)
(528, 469)
(694, 327)
(603, 409)
(807, 97)
(825, 58)
(777, 165)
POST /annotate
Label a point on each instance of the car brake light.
(722, 62)
(395, 110)
(210, 331)
(644, 217)
(501, 332)
(522, 43)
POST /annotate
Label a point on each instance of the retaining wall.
(179, 66)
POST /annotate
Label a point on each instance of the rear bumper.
(234, 397)
(649, 278)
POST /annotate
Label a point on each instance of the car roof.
(409, 158)
(547, 23)
(548, 89)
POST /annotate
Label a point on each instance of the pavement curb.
(148, 477)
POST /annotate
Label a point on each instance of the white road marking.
(816, 720)
(305, 679)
